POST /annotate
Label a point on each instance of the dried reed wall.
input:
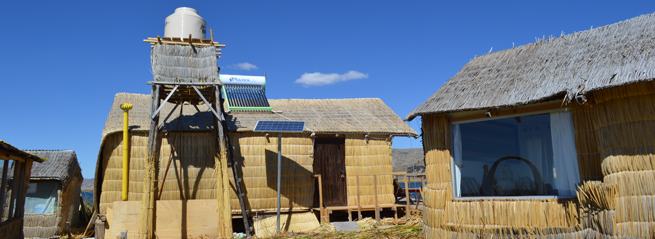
(46, 225)
(41, 225)
(195, 153)
(624, 121)
(256, 155)
(366, 157)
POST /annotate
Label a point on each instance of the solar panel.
(246, 97)
(280, 126)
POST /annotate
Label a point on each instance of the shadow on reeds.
(293, 175)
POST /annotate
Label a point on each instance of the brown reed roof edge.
(4, 146)
(342, 116)
(614, 55)
(60, 165)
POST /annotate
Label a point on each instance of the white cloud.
(242, 66)
(319, 79)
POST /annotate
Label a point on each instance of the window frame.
(452, 155)
(15, 211)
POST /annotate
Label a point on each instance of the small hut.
(53, 194)
(15, 166)
(550, 139)
(342, 138)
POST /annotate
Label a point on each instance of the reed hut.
(342, 138)
(15, 166)
(53, 194)
(550, 139)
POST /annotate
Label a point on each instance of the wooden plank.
(187, 219)
(182, 41)
(408, 212)
(14, 191)
(175, 218)
(121, 216)
(509, 112)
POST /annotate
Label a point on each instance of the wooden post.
(375, 187)
(147, 220)
(3, 185)
(407, 195)
(321, 209)
(359, 202)
(100, 228)
(222, 181)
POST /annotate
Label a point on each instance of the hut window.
(521, 155)
(41, 197)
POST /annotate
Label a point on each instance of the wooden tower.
(185, 70)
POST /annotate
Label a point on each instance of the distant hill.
(87, 184)
(408, 160)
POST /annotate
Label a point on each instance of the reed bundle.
(436, 144)
(364, 157)
(526, 214)
(597, 219)
(296, 222)
(597, 194)
(431, 232)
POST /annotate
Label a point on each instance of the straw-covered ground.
(369, 228)
(388, 228)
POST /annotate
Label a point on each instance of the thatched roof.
(343, 116)
(60, 165)
(609, 56)
(7, 148)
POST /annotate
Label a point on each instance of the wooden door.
(330, 162)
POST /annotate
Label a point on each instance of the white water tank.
(185, 21)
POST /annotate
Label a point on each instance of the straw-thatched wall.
(257, 155)
(367, 157)
(41, 225)
(623, 119)
(198, 174)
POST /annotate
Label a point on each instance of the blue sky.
(63, 62)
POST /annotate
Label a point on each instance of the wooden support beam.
(495, 112)
(359, 202)
(407, 196)
(223, 183)
(320, 199)
(3, 185)
(375, 189)
(147, 220)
